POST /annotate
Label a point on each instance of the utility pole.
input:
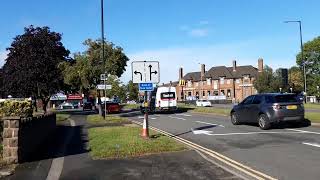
(103, 59)
(302, 57)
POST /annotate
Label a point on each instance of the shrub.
(16, 108)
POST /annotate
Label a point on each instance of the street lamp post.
(303, 60)
(104, 62)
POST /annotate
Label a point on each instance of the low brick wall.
(23, 137)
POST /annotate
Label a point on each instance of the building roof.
(193, 76)
(219, 71)
(174, 84)
(243, 70)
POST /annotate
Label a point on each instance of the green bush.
(16, 108)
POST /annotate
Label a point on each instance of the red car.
(112, 107)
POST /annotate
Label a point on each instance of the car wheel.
(234, 119)
(264, 122)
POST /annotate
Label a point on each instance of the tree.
(264, 80)
(133, 91)
(311, 51)
(295, 79)
(31, 68)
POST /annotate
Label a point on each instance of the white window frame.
(221, 80)
(209, 81)
(228, 81)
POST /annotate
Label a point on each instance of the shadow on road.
(284, 125)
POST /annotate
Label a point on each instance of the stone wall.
(23, 137)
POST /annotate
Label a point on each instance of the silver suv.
(268, 109)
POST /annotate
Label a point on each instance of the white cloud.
(199, 32)
(246, 53)
(3, 56)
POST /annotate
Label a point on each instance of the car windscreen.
(285, 98)
(168, 95)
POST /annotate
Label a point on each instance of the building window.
(189, 83)
(215, 84)
(228, 93)
(203, 93)
(209, 81)
(222, 93)
(215, 93)
(189, 94)
(196, 84)
(197, 94)
(222, 80)
(209, 93)
(238, 81)
(246, 79)
(228, 81)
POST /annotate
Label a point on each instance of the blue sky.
(174, 32)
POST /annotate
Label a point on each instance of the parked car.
(66, 105)
(204, 103)
(268, 109)
(112, 107)
(87, 106)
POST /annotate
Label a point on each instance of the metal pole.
(103, 59)
(145, 129)
(303, 61)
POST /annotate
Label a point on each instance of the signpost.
(145, 73)
(102, 86)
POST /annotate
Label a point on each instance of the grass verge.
(124, 142)
(131, 106)
(312, 106)
(96, 119)
(313, 116)
(62, 117)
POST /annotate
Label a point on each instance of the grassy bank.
(209, 110)
(124, 141)
(131, 106)
(312, 106)
(313, 116)
(62, 117)
(96, 119)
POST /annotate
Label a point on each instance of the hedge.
(16, 108)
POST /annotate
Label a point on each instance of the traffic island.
(111, 120)
(126, 142)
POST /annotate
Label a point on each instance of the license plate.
(292, 107)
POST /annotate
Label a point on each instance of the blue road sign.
(145, 87)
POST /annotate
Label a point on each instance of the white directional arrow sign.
(145, 72)
(202, 132)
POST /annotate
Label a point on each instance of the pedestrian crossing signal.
(182, 82)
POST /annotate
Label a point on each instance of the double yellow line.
(230, 162)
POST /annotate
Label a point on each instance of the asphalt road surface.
(287, 152)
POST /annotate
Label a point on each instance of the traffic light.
(284, 77)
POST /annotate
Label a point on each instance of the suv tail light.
(276, 107)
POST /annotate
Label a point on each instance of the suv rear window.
(285, 98)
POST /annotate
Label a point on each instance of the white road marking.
(187, 115)
(176, 118)
(153, 118)
(140, 117)
(201, 132)
(57, 163)
(248, 133)
(209, 123)
(302, 131)
(312, 144)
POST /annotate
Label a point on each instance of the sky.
(177, 33)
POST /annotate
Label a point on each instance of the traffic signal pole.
(145, 128)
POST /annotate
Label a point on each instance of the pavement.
(286, 152)
(67, 157)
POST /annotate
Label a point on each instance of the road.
(288, 152)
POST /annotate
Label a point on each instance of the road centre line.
(187, 115)
(312, 144)
(177, 118)
(209, 123)
(249, 133)
(302, 131)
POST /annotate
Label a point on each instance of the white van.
(166, 99)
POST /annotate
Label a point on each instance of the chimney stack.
(260, 65)
(203, 70)
(234, 62)
(180, 73)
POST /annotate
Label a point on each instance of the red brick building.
(235, 83)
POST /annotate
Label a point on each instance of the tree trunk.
(44, 104)
(99, 103)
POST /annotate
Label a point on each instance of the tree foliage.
(84, 74)
(31, 68)
(295, 79)
(311, 53)
(133, 91)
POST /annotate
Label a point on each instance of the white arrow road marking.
(312, 144)
(176, 118)
(248, 133)
(209, 123)
(186, 115)
(201, 132)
